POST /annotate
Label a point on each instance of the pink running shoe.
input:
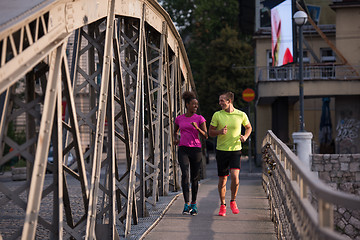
(234, 207)
(222, 211)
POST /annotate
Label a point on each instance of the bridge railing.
(302, 207)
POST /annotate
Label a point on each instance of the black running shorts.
(227, 160)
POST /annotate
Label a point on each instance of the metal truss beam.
(99, 83)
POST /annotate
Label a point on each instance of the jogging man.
(226, 125)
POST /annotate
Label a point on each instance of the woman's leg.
(195, 165)
(184, 163)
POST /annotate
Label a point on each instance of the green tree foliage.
(19, 138)
(211, 16)
(181, 12)
(226, 69)
(202, 20)
(220, 56)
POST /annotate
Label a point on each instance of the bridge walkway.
(253, 221)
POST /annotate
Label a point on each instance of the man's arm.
(248, 130)
(213, 132)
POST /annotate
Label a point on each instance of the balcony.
(311, 72)
(319, 81)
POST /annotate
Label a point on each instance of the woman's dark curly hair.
(188, 96)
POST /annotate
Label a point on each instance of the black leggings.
(190, 156)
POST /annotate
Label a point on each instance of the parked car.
(70, 157)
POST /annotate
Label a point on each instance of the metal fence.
(310, 72)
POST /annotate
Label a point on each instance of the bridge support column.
(302, 140)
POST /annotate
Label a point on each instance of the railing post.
(326, 214)
(303, 189)
(280, 156)
(285, 162)
(303, 146)
(293, 173)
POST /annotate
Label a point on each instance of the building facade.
(331, 73)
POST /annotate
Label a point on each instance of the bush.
(19, 138)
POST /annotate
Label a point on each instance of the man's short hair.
(228, 96)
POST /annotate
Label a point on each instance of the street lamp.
(300, 19)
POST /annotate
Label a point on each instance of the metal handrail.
(301, 180)
(310, 72)
(323, 191)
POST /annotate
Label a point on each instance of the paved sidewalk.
(253, 221)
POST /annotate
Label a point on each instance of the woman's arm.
(176, 134)
(202, 129)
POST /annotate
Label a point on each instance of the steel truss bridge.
(101, 73)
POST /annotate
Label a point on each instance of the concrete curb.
(160, 217)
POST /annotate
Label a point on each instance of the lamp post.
(300, 19)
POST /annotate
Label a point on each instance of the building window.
(327, 56)
(271, 71)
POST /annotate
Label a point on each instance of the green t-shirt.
(231, 140)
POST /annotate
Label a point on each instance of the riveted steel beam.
(52, 89)
(96, 86)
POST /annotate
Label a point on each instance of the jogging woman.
(190, 125)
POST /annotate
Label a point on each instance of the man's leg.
(222, 192)
(234, 189)
(234, 182)
(222, 189)
(223, 171)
